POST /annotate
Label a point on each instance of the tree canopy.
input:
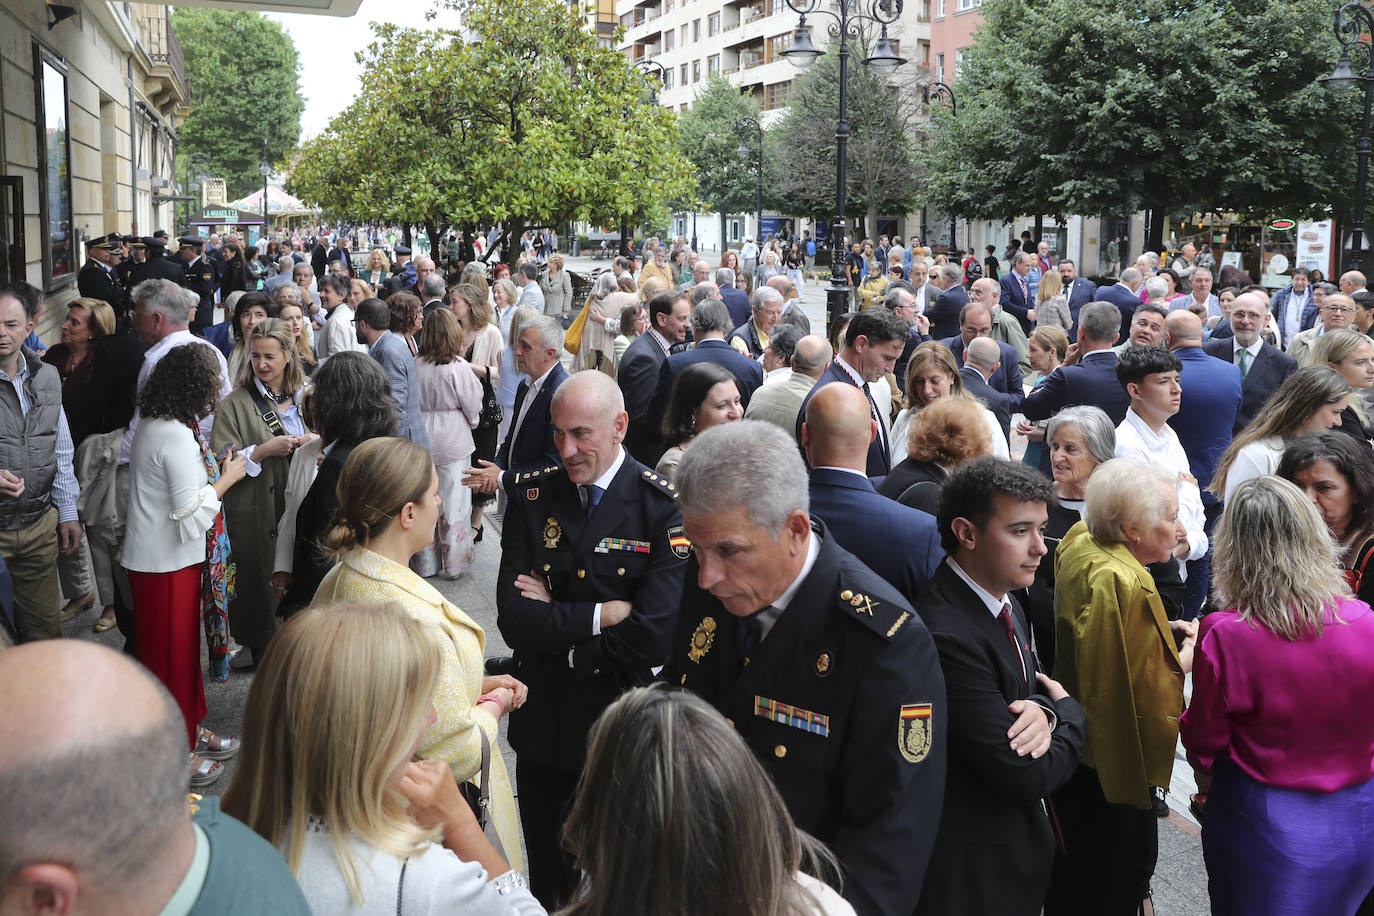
(242, 69)
(880, 156)
(521, 118)
(1112, 106)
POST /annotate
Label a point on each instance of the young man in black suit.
(995, 845)
(1263, 367)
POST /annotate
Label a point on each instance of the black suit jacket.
(639, 374)
(338, 254)
(995, 846)
(1266, 374)
(313, 519)
(1012, 302)
(737, 303)
(1079, 293)
(879, 459)
(1007, 379)
(319, 260)
(534, 448)
(748, 372)
(547, 530)
(867, 779)
(95, 282)
(994, 399)
(1125, 301)
(944, 313)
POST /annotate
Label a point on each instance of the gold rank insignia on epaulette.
(881, 617)
(527, 478)
(663, 483)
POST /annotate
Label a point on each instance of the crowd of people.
(897, 616)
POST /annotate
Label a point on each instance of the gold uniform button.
(581, 574)
(620, 571)
(780, 751)
(596, 671)
(846, 595)
(684, 681)
(546, 567)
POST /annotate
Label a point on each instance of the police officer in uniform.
(403, 278)
(200, 278)
(592, 558)
(137, 254)
(98, 278)
(157, 266)
(822, 667)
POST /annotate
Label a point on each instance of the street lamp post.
(652, 71)
(748, 127)
(848, 15)
(1353, 22)
(266, 169)
(938, 93)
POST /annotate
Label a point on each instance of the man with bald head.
(977, 319)
(1206, 414)
(899, 543)
(779, 403)
(981, 363)
(1263, 367)
(1352, 282)
(93, 776)
(791, 303)
(592, 558)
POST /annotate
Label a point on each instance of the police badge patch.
(677, 540)
(553, 533)
(914, 731)
(701, 639)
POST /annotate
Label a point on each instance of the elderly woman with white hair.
(1079, 439)
(1124, 661)
(604, 307)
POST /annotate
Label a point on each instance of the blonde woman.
(932, 373)
(485, 347)
(260, 418)
(388, 507)
(377, 270)
(557, 285)
(451, 403)
(294, 317)
(1051, 306)
(476, 274)
(1351, 353)
(328, 777)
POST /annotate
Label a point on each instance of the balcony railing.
(155, 34)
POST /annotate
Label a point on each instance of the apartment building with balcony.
(745, 41)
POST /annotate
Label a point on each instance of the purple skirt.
(1286, 852)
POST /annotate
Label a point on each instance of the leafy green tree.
(708, 139)
(883, 118)
(522, 118)
(1113, 106)
(242, 70)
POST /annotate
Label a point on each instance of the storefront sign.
(1282, 225)
(1314, 246)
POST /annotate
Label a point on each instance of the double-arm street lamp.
(1353, 23)
(749, 128)
(848, 16)
(266, 168)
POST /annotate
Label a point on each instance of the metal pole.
(1362, 176)
(837, 296)
(758, 195)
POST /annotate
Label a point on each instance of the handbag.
(572, 338)
(479, 798)
(490, 417)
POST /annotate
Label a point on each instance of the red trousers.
(167, 615)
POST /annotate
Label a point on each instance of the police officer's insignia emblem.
(701, 639)
(914, 731)
(677, 540)
(824, 661)
(553, 533)
(532, 494)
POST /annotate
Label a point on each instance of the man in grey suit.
(531, 294)
(374, 329)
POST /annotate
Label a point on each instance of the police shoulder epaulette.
(881, 616)
(525, 478)
(659, 482)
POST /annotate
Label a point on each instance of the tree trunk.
(724, 243)
(873, 227)
(405, 235)
(515, 228)
(1038, 230)
(1155, 242)
(432, 230)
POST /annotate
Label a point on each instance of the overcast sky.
(330, 77)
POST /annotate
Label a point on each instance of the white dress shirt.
(1162, 449)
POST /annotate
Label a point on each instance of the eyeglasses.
(1337, 308)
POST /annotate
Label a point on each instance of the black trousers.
(545, 794)
(1109, 856)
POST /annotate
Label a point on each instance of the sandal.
(215, 747)
(204, 771)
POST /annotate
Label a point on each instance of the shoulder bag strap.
(266, 410)
(400, 885)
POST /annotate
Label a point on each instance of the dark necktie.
(749, 631)
(882, 431)
(591, 496)
(1004, 618)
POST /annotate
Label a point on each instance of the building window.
(696, 71)
(778, 44)
(682, 35)
(669, 75)
(713, 24)
(668, 40)
(939, 68)
(958, 61)
(777, 94)
(54, 170)
(696, 30)
(713, 64)
(684, 75)
(965, 5)
(940, 9)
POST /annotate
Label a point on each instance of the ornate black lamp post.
(652, 72)
(1353, 23)
(749, 128)
(938, 93)
(848, 15)
(266, 168)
